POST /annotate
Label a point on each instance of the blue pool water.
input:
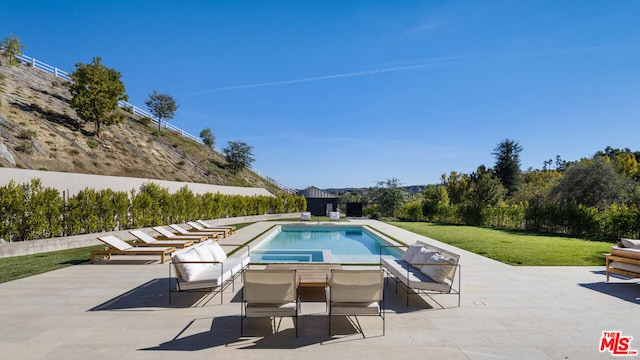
(338, 244)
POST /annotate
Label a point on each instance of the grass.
(18, 267)
(515, 247)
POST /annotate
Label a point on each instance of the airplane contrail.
(431, 63)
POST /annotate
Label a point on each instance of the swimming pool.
(322, 243)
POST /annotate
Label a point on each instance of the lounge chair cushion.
(421, 257)
(268, 310)
(620, 265)
(630, 243)
(188, 271)
(349, 308)
(438, 267)
(411, 252)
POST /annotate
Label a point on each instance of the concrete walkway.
(120, 309)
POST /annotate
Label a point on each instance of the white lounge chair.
(119, 247)
(305, 216)
(182, 231)
(356, 292)
(148, 240)
(334, 216)
(270, 293)
(197, 227)
(168, 235)
(230, 227)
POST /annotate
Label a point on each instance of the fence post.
(33, 62)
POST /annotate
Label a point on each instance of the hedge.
(31, 211)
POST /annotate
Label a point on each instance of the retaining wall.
(72, 183)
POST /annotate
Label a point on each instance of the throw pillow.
(204, 254)
(630, 243)
(421, 257)
(438, 268)
(411, 252)
(217, 251)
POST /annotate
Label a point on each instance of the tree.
(457, 186)
(486, 189)
(591, 183)
(507, 167)
(96, 90)
(208, 138)
(239, 155)
(435, 199)
(162, 106)
(12, 48)
(389, 196)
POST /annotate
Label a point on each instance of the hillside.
(41, 131)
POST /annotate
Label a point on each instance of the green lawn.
(515, 247)
(17, 267)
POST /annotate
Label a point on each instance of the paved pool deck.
(119, 309)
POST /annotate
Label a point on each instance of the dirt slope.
(41, 131)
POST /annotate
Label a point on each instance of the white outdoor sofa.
(425, 269)
(205, 267)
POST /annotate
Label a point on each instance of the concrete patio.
(119, 308)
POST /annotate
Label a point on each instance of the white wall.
(72, 183)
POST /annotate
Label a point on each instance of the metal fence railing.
(37, 64)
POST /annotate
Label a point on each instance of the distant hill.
(412, 189)
(38, 130)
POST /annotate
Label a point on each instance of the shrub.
(25, 147)
(26, 134)
(92, 144)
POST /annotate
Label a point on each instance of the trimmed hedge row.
(573, 219)
(31, 211)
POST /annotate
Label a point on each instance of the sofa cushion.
(187, 270)
(217, 251)
(630, 243)
(204, 254)
(421, 257)
(438, 267)
(411, 252)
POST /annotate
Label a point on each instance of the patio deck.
(122, 311)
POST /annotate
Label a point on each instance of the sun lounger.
(168, 235)
(182, 231)
(119, 247)
(198, 227)
(148, 240)
(231, 227)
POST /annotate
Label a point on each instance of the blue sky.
(348, 93)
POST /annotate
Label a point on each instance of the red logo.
(614, 342)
